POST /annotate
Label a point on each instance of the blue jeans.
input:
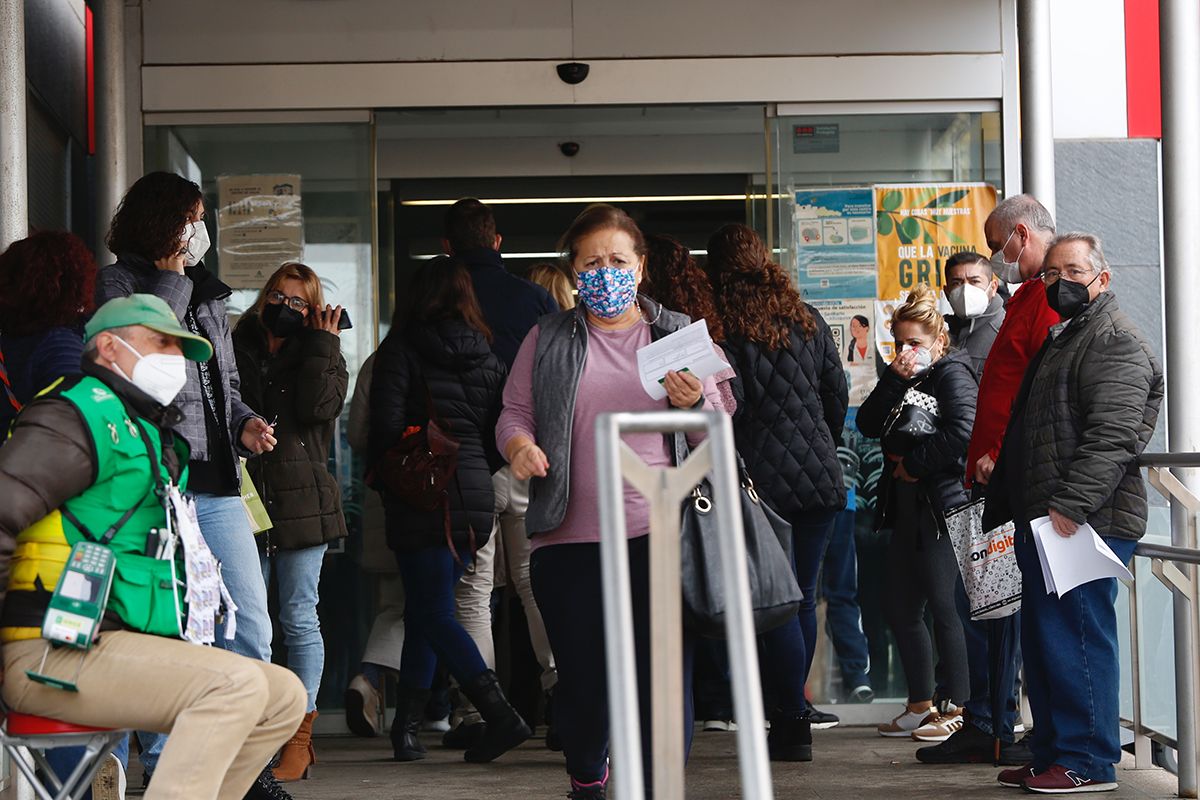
(227, 533)
(431, 630)
(810, 535)
(1072, 667)
(65, 759)
(298, 573)
(979, 661)
(843, 617)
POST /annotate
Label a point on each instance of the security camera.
(569, 149)
(573, 72)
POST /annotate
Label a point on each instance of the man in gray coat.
(1087, 407)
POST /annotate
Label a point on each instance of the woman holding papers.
(791, 406)
(922, 481)
(572, 367)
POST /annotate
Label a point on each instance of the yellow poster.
(919, 226)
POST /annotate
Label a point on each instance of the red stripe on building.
(90, 66)
(1142, 85)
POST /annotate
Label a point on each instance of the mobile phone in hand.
(344, 323)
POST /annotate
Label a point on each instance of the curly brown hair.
(152, 215)
(755, 296)
(673, 278)
(46, 281)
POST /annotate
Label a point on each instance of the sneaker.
(818, 719)
(364, 708)
(1019, 728)
(940, 728)
(589, 791)
(718, 725)
(436, 725)
(1060, 780)
(109, 783)
(1015, 778)
(968, 745)
(861, 694)
(1015, 754)
(908, 721)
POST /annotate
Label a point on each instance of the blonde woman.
(555, 281)
(291, 366)
(916, 490)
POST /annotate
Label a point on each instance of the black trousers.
(567, 587)
(922, 573)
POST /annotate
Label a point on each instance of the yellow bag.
(256, 511)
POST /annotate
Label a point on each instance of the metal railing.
(666, 488)
(1175, 566)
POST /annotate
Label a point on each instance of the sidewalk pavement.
(850, 763)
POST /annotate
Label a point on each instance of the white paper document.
(1070, 561)
(688, 350)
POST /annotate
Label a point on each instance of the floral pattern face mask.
(608, 292)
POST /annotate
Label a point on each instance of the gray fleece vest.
(557, 367)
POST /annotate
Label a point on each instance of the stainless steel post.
(1180, 63)
(1037, 108)
(111, 155)
(624, 733)
(14, 181)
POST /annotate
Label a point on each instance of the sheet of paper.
(688, 349)
(1075, 560)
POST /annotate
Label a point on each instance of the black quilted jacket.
(465, 381)
(939, 462)
(791, 406)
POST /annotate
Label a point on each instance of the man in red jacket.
(1018, 232)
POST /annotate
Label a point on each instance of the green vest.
(121, 506)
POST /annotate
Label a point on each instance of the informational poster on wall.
(919, 227)
(834, 235)
(850, 322)
(260, 225)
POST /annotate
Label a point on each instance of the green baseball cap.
(150, 312)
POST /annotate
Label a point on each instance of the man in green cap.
(93, 459)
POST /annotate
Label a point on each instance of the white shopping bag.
(987, 561)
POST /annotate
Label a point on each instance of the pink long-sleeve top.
(609, 383)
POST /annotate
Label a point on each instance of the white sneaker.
(941, 727)
(109, 783)
(718, 725)
(436, 725)
(1019, 728)
(908, 721)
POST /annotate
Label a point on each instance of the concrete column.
(14, 181)
(1179, 27)
(1037, 109)
(111, 160)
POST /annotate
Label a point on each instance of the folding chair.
(26, 737)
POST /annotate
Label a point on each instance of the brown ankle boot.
(297, 756)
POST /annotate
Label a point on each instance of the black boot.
(505, 728)
(790, 738)
(267, 788)
(406, 727)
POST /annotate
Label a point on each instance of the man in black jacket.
(511, 306)
(1086, 409)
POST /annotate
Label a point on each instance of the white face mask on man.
(968, 301)
(160, 375)
(195, 237)
(1007, 271)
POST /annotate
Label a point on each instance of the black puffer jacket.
(791, 406)
(304, 384)
(1085, 412)
(939, 462)
(465, 380)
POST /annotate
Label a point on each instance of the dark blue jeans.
(431, 630)
(979, 665)
(566, 584)
(843, 617)
(1072, 667)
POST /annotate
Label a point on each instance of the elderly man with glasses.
(1086, 409)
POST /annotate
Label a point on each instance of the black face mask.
(1067, 297)
(281, 320)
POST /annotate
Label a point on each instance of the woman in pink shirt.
(572, 367)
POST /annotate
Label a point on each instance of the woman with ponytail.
(917, 488)
(791, 405)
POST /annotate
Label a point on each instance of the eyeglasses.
(294, 303)
(1075, 274)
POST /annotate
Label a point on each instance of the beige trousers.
(227, 714)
